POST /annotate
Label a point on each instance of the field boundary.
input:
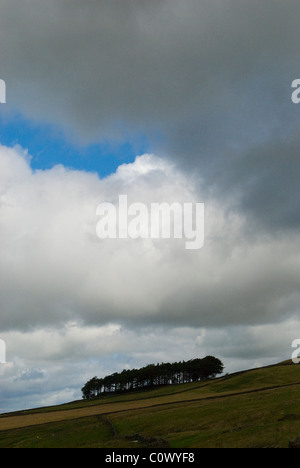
(37, 419)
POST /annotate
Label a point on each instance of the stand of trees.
(154, 375)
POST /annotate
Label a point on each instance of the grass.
(243, 421)
(256, 408)
(67, 434)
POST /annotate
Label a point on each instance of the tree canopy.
(154, 375)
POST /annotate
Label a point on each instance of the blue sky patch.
(48, 147)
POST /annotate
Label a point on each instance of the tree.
(210, 367)
(154, 375)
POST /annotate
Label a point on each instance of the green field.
(255, 408)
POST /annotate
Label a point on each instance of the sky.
(163, 101)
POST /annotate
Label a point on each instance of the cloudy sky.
(164, 101)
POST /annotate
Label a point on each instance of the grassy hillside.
(255, 408)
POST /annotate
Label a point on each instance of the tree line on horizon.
(154, 375)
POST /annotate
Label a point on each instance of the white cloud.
(55, 269)
(69, 300)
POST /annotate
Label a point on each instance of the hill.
(254, 408)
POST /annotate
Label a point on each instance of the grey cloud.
(212, 79)
(104, 64)
(30, 374)
(41, 378)
(54, 268)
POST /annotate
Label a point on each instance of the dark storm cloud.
(212, 78)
